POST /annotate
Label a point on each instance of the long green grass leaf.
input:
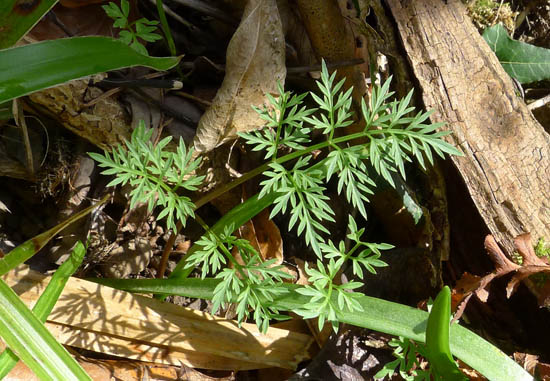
(32, 342)
(18, 17)
(47, 300)
(34, 67)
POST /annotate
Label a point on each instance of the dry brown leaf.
(532, 364)
(255, 62)
(543, 371)
(105, 124)
(527, 361)
(470, 284)
(264, 236)
(502, 263)
(85, 20)
(123, 370)
(525, 248)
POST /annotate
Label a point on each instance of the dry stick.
(539, 103)
(20, 121)
(193, 98)
(330, 65)
(209, 10)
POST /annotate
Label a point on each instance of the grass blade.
(34, 67)
(32, 342)
(47, 300)
(17, 20)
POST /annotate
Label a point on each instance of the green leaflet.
(437, 339)
(524, 62)
(16, 19)
(47, 300)
(34, 67)
(235, 218)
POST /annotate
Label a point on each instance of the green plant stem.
(168, 33)
(262, 168)
(380, 315)
(279, 129)
(180, 271)
(235, 217)
(366, 133)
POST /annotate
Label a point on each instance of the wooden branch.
(106, 320)
(506, 166)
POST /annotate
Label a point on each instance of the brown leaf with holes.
(469, 284)
(255, 62)
(531, 265)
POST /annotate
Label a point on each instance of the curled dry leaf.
(264, 236)
(533, 365)
(469, 284)
(255, 62)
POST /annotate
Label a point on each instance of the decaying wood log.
(506, 163)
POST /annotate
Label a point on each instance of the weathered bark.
(506, 162)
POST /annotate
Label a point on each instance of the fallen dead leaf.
(255, 62)
(264, 236)
(469, 284)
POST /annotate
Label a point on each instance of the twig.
(174, 15)
(330, 65)
(209, 10)
(193, 98)
(539, 103)
(20, 121)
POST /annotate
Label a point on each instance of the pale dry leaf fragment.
(255, 62)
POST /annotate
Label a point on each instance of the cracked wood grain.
(506, 165)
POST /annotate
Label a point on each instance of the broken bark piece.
(96, 317)
(507, 152)
(104, 124)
